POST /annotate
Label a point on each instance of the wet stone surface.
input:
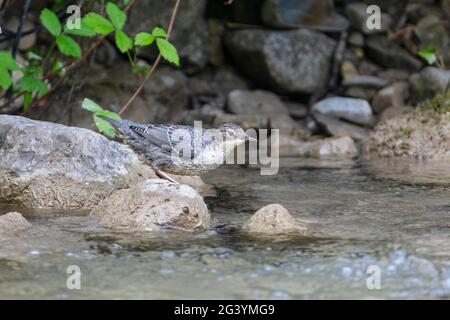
(364, 219)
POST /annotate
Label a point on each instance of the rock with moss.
(424, 133)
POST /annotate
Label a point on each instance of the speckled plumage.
(173, 148)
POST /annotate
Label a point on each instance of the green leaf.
(7, 62)
(98, 23)
(158, 32)
(90, 105)
(34, 71)
(33, 56)
(31, 84)
(68, 46)
(429, 55)
(123, 41)
(58, 67)
(84, 30)
(168, 51)
(51, 22)
(5, 79)
(143, 39)
(27, 99)
(117, 16)
(103, 126)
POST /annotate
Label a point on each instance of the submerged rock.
(47, 165)
(275, 219)
(354, 110)
(152, 205)
(12, 222)
(295, 61)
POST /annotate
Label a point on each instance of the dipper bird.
(179, 149)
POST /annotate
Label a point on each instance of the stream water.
(363, 217)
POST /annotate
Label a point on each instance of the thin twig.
(70, 66)
(19, 29)
(155, 64)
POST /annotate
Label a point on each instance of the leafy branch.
(35, 78)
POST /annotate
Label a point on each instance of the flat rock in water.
(354, 110)
(152, 205)
(295, 61)
(274, 219)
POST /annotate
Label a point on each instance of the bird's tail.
(116, 123)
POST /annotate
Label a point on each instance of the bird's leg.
(163, 175)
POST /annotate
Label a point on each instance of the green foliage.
(31, 82)
(68, 46)
(143, 39)
(158, 32)
(102, 125)
(429, 54)
(39, 72)
(7, 64)
(123, 41)
(51, 22)
(98, 24)
(117, 16)
(168, 51)
(84, 30)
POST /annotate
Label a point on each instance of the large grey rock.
(11, 223)
(190, 34)
(301, 13)
(295, 61)
(47, 165)
(274, 219)
(390, 55)
(255, 102)
(355, 110)
(429, 82)
(358, 16)
(261, 103)
(152, 205)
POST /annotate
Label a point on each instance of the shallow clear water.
(361, 217)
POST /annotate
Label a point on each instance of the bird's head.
(234, 134)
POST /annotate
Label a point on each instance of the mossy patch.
(424, 133)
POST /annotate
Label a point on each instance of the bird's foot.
(165, 176)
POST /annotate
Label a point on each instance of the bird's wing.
(167, 137)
